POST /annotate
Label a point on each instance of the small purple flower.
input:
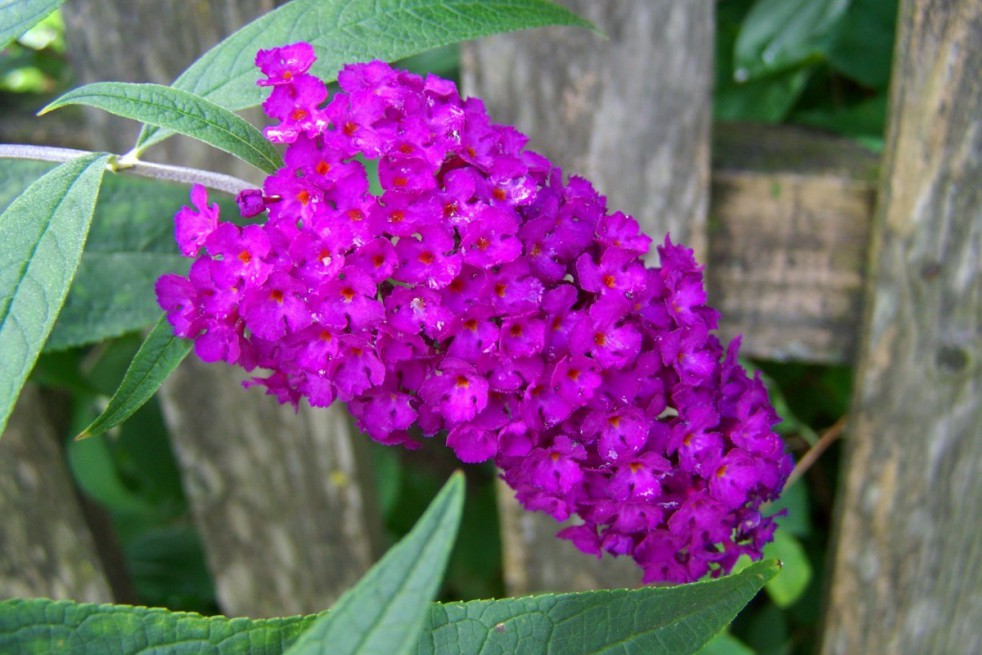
(281, 65)
(456, 390)
(193, 226)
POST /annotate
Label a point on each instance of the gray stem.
(216, 181)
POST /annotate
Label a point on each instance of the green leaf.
(42, 232)
(18, 16)
(181, 112)
(387, 610)
(863, 49)
(96, 474)
(788, 587)
(768, 99)
(40, 625)
(765, 100)
(113, 294)
(795, 500)
(726, 644)
(864, 121)
(671, 620)
(781, 34)
(347, 31)
(676, 620)
(157, 358)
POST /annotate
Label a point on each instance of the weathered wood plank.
(284, 500)
(46, 547)
(788, 240)
(640, 133)
(906, 575)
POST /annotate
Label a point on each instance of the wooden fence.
(816, 251)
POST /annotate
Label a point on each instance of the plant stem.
(810, 457)
(180, 174)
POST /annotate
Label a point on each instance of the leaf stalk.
(179, 174)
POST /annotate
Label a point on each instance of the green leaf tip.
(180, 111)
(157, 357)
(386, 612)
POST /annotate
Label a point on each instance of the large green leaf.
(671, 620)
(43, 232)
(18, 16)
(159, 355)
(676, 620)
(387, 610)
(780, 34)
(346, 31)
(181, 112)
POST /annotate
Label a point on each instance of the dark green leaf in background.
(767, 99)
(18, 16)
(864, 46)
(95, 472)
(726, 644)
(386, 611)
(180, 111)
(780, 34)
(157, 358)
(112, 294)
(864, 121)
(763, 100)
(671, 620)
(347, 31)
(788, 587)
(18, 174)
(43, 232)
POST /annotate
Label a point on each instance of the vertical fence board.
(632, 114)
(46, 547)
(906, 575)
(283, 500)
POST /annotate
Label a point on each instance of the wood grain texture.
(284, 501)
(46, 547)
(790, 215)
(152, 41)
(631, 114)
(906, 576)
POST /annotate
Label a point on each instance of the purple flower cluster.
(483, 297)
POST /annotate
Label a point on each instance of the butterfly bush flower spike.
(482, 296)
